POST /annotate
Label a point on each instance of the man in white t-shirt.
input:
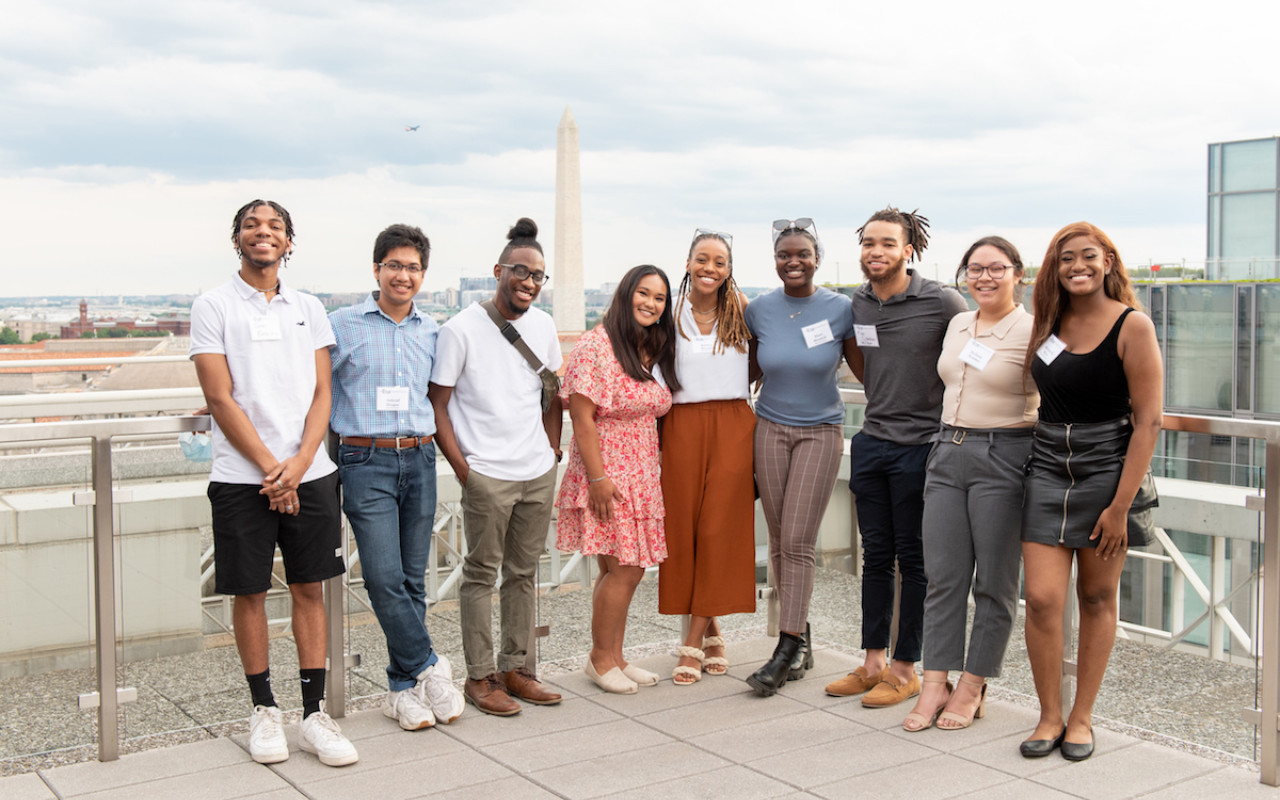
(261, 352)
(491, 428)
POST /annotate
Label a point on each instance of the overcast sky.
(133, 130)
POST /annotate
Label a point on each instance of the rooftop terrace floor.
(714, 739)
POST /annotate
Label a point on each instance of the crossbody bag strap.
(512, 335)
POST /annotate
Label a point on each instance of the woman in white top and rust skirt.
(706, 461)
(973, 490)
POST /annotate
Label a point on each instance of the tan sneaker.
(888, 693)
(856, 682)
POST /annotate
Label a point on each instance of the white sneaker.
(445, 699)
(319, 734)
(267, 744)
(409, 708)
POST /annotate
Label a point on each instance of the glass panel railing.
(46, 601)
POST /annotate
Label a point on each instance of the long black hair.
(630, 339)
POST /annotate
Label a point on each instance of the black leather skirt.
(1075, 469)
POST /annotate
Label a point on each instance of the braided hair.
(731, 322)
(914, 225)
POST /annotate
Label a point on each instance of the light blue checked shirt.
(372, 351)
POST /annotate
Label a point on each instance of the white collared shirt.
(271, 352)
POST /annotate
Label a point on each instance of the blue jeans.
(389, 497)
(888, 482)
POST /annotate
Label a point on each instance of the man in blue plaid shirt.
(381, 368)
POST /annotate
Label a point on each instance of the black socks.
(312, 690)
(260, 688)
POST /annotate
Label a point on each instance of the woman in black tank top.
(1095, 359)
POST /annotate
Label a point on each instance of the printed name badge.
(704, 345)
(867, 336)
(393, 398)
(264, 329)
(817, 333)
(976, 354)
(1050, 349)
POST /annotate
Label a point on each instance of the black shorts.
(246, 531)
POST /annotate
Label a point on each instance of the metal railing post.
(104, 598)
(1269, 727)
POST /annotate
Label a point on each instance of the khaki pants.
(506, 526)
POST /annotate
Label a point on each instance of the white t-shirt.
(271, 353)
(496, 406)
(704, 374)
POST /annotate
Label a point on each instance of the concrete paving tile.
(1001, 720)
(376, 753)
(739, 783)
(223, 783)
(479, 730)
(747, 741)
(1234, 782)
(721, 713)
(1002, 754)
(400, 782)
(623, 771)
(937, 777)
(25, 787)
(842, 758)
(152, 765)
(279, 794)
(513, 788)
(565, 747)
(1018, 789)
(1125, 772)
(663, 696)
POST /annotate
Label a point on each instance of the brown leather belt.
(399, 443)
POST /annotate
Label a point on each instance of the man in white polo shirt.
(261, 352)
(491, 427)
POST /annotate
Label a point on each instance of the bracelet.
(596, 480)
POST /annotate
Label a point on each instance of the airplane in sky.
(409, 128)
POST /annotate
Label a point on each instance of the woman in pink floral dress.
(618, 381)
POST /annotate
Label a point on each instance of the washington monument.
(568, 301)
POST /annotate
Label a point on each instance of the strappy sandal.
(694, 674)
(916, 722)
(714, 665)
(957, 722)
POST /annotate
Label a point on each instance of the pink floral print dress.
(626, 418)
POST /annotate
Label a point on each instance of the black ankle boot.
(766, 680)
(804, 656)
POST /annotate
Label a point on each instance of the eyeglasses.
(727, 238)
(396, 266)
(781, 226)
(523, 273)
(996, 271)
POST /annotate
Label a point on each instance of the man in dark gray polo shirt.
(899, 320)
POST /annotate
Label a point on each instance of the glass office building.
(1244, 200)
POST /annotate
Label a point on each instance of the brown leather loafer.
(488, 695)
(524, 684)
(889, 693)
(856, 682)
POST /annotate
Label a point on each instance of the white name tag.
(704, 345)
(1050, 349)
(866, 335)
(393, 398)
(817, 333)
(976, 354)
(264, 329)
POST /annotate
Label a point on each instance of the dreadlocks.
(915, 226)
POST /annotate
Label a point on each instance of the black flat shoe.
(1078, 751)
(1039, 748)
